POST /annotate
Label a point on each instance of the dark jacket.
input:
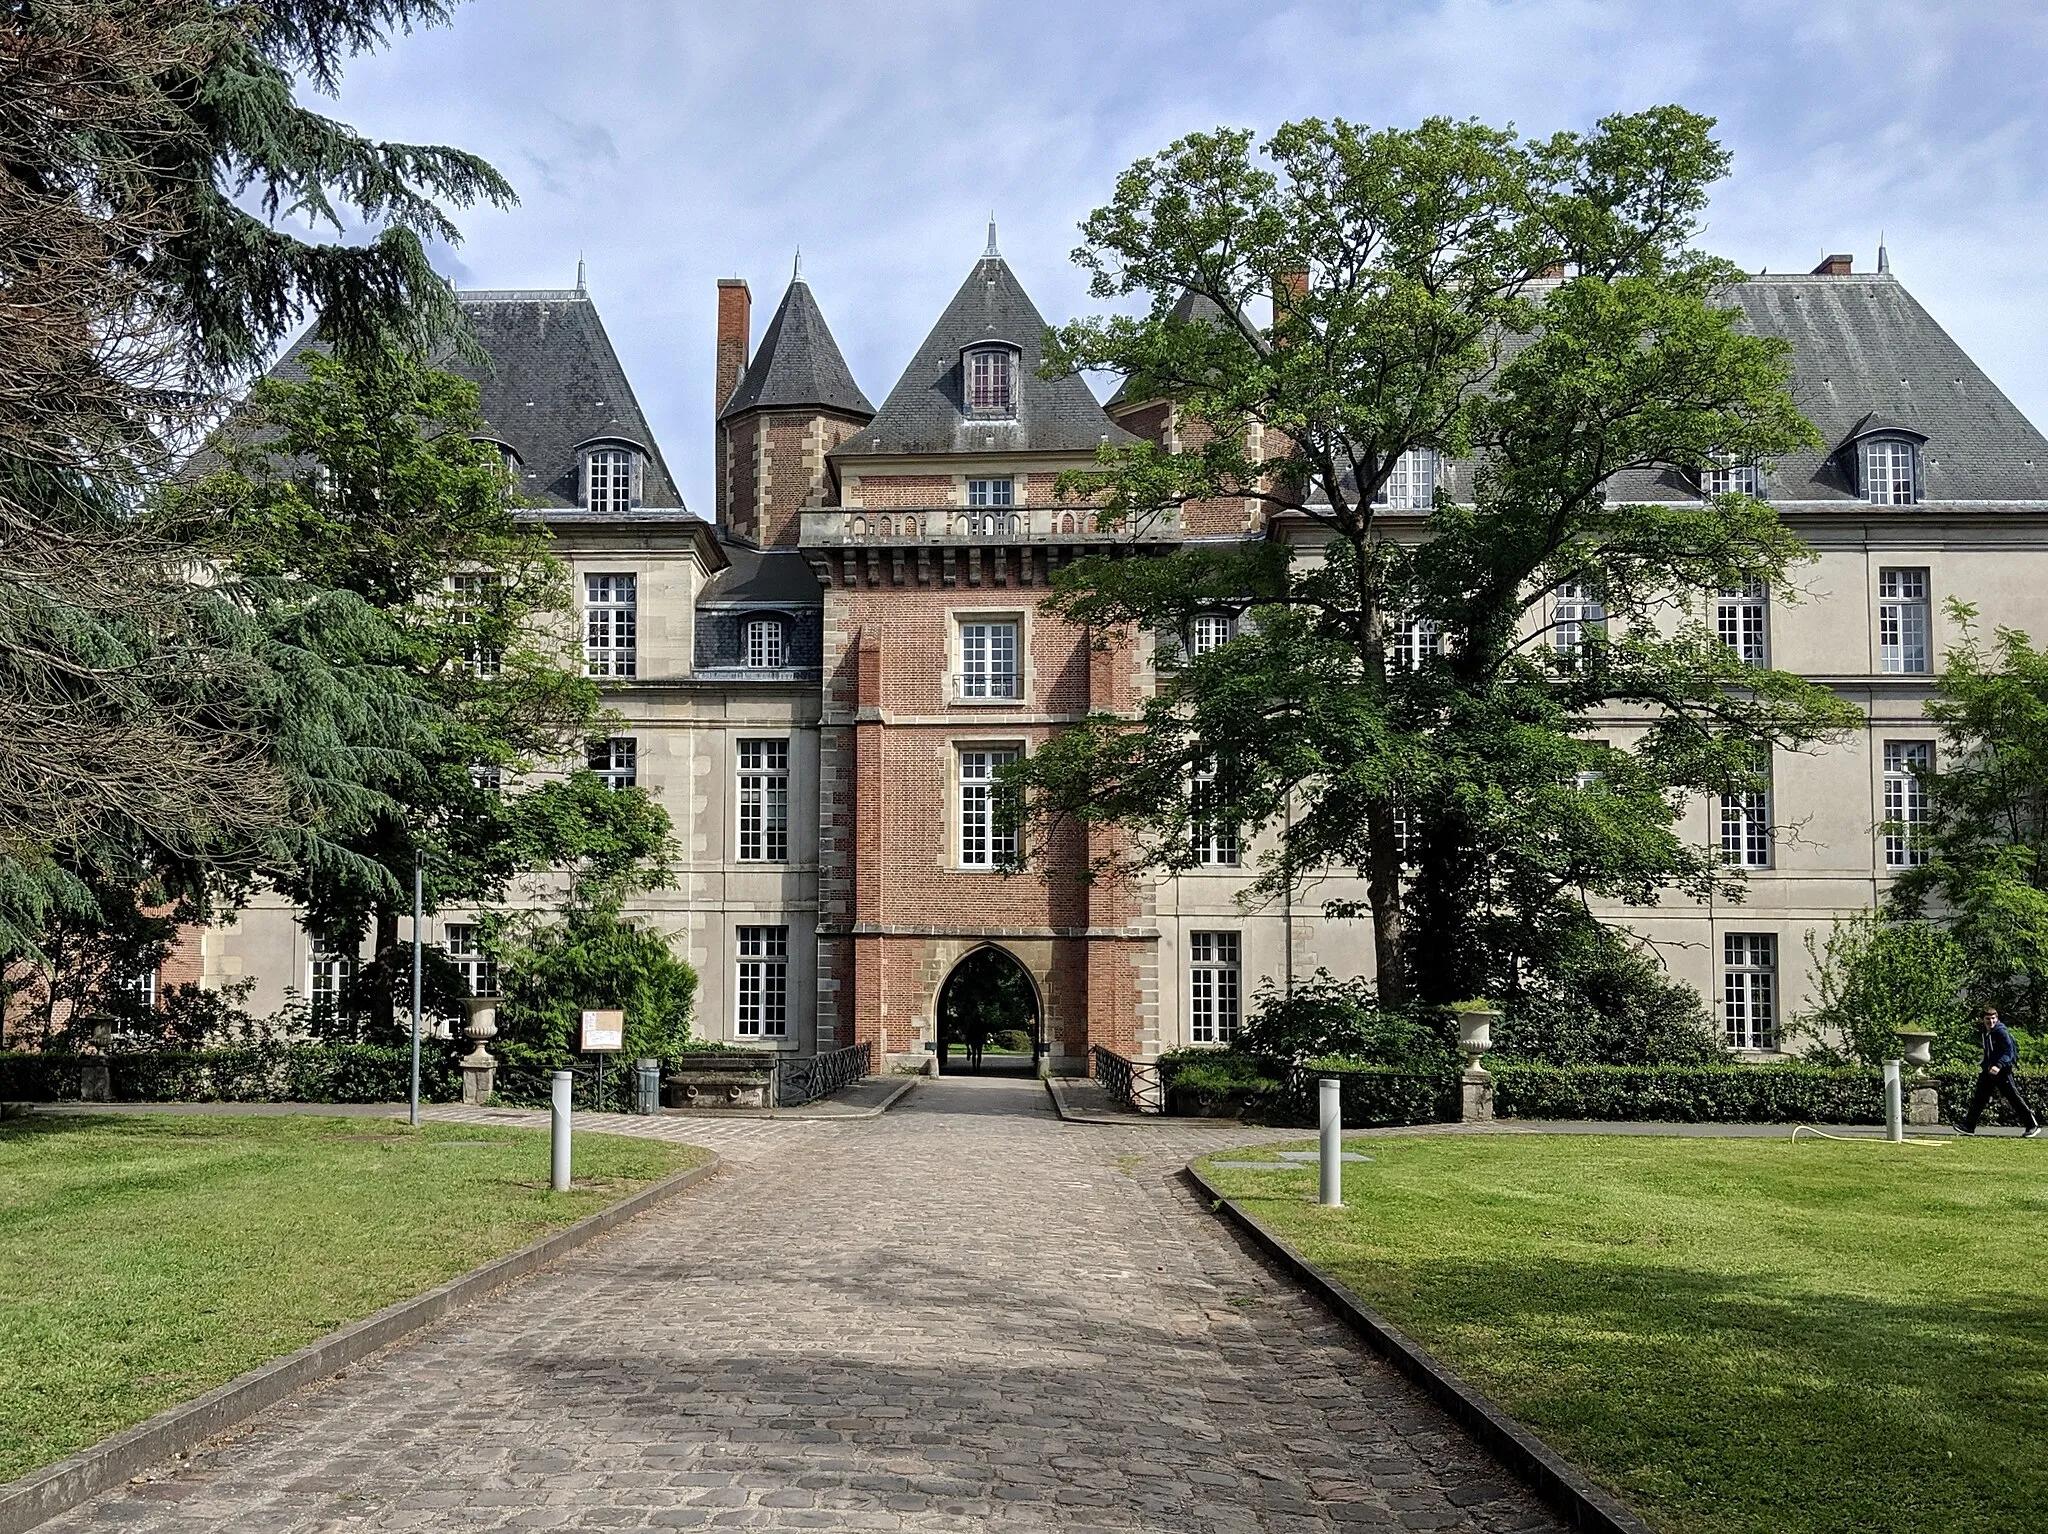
(1999, 1048)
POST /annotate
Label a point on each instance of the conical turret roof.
(798, 364)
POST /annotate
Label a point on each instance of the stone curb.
(1073, 1115)
(1569, 1493)
(43, 1494)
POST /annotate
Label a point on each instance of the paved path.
(963, 1316)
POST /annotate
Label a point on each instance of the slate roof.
(925, 412)
(1864, 354)
(798, 364)
(770, 577)
(1192, 306)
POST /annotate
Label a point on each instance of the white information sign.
(604, 1032)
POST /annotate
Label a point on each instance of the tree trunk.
(1383, 891)
(383, 1008)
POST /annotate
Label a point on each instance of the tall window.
(1212, 987)
(1411, 484)
(764, 643)
(1749, 989)
(763, 982)
(1416, 640)
(610, 479)
(991, 492)
(764, 801)
(1746, 820)
(1210, 631)
(327, 980)
(617, 761)
(464, 947)
(1906, 765)
(1574, 616)
(1728, 479)
(141, 987)
(611, 611)
(475, 595)
(1215, 838)
(1740, 616)
(488, 776)
(988, 835)
(1902, 620)
(991, 381)
(988, 660)
(1889, 477)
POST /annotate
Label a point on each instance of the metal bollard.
(647, 1086)
(558, 1132)
(1894, 1101)
(1331, 1093)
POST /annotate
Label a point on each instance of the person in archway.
(977, 1040)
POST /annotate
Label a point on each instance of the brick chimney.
(735, 332)
(1834, 266)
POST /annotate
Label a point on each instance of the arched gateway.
(989, 1021)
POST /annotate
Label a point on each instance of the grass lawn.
(1732, 1334)
(146, 1260)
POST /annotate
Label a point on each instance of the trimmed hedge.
(1691, 1094)
(1372, 1096)
(257, 1073)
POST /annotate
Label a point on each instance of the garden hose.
(1909, 1140)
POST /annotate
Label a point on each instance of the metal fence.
(803, 1079)
(1135, 1083)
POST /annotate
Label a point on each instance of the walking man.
(2001, 1058)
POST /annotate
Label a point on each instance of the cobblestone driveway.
(965, 1315)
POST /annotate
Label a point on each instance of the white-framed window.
(1742, 618)
(141, 987)
(1575, 614)
(764, 644)
(463, 944)
(1746, 820)
(764, 801)
(763, 989)
(1903, 620)
(1729, 479)
(474, 596)
(1215, 838)
(328, 974)
(1411, 484)
(988, 836)
(1906, 766)
(992, 492)
(1416, 640)
(1591, 780)
(1406, 842)
(1210, 631)
(1213, 988)
(488, 776)
(1890, 471)
(988, 659)
(608, 478)
(991, 381)
(1749, 989)
(611, 613)
(617, 761)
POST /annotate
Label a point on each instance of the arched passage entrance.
(989, 1020)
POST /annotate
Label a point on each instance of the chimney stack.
(1834, 266)
(735, 334)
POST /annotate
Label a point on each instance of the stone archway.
(989, 1018)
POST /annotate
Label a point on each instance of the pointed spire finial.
(1884, 257)
(991, 253)
(796, 272)
(579, 271)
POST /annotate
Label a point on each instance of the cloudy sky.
(670, 143)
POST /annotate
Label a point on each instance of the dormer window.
(1728, 479)
(1411, 484)
(764, 644)
(1889, 470)
(611, 478)
(992, 380)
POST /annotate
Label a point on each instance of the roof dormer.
(1886, 458)
(988, 378)
(612, 474)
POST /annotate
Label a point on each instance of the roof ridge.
(520, 295)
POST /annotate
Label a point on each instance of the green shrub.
(1873, 977)
(258, 1073)
(1373, 1095)
(1607, 1004)
(1215, 1075)
(1732, 1094)
(1326, 1016)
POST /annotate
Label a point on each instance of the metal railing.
(982, 686)
(801, 1079)
(1135, 1083)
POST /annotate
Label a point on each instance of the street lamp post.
(418, 882)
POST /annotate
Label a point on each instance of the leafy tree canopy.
(1532, 310)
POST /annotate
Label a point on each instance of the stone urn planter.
(479, 1066)
(1923, 1097)
(1475, 1041)
(1918, 1047)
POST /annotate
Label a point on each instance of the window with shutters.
(1890, 468)
(763, 988)
(1215, 837)
(608, 479)
(988, 831)
(1903, 621)
(764, 801)
(764, 644)
(616, 761)
(463, 943)
(1746, 819)
(1907, 764)
(1749, 989)
(611, 625)
(1741, 618)
(1213, 987)
(1411, 484)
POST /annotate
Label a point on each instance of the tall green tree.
(154, 168)
(368, 478)
(1531, 308)
(1985, 838)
